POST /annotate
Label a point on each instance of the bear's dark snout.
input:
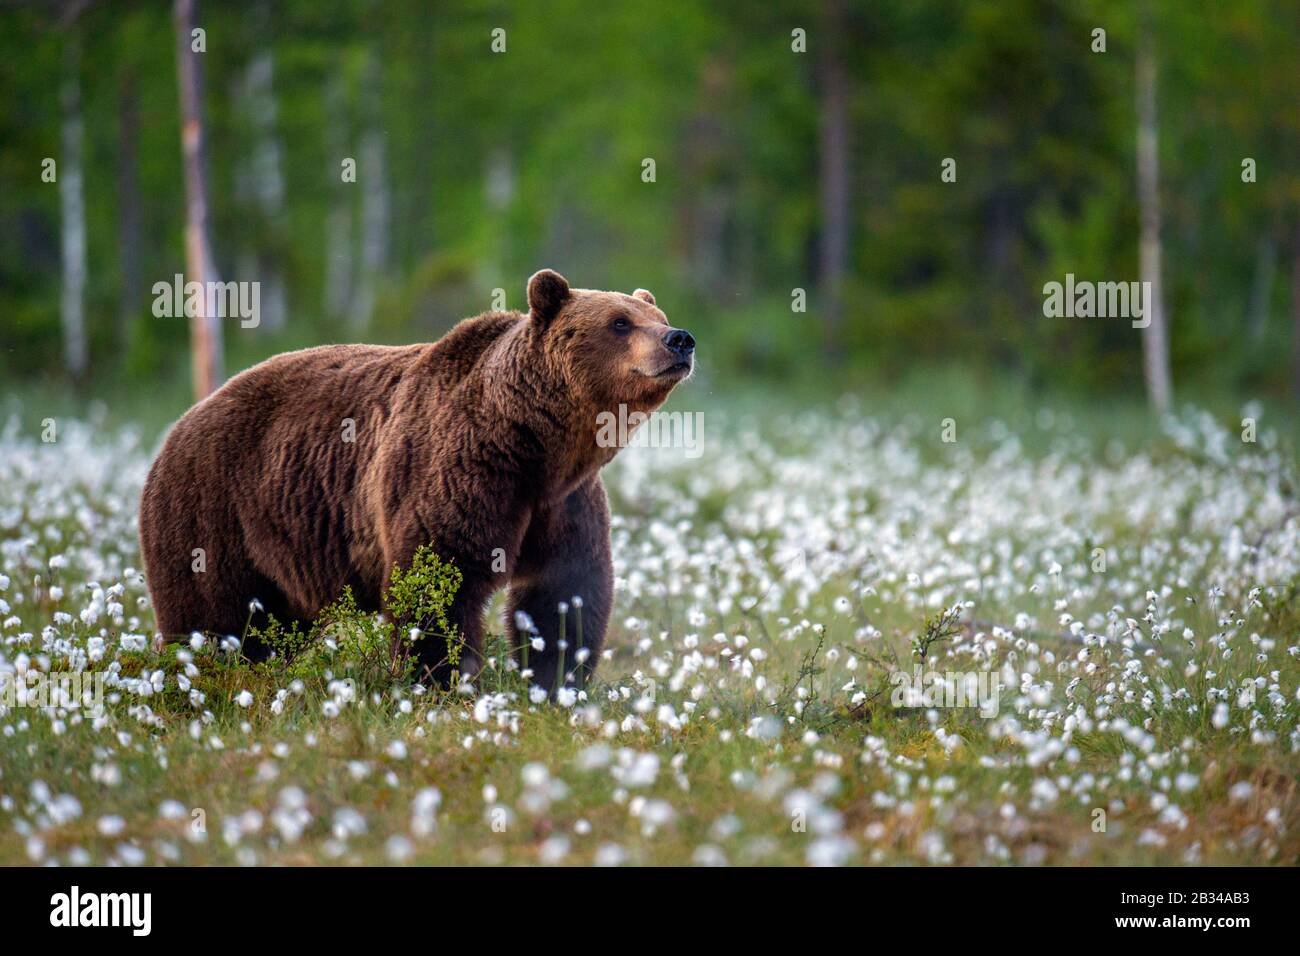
(680, 342)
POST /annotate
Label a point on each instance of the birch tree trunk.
(265, 166)
(372, 177)
(340, 266)
(1155, 337)
(205, 330)
(1295, 312)
(1261, 289)
(128, 202)
(834, 176)
(73, 210)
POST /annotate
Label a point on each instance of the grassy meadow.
(1131, 590)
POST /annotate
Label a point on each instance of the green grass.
(771, 757)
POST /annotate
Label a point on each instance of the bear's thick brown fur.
(482, 445)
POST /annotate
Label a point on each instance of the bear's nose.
(680, 341)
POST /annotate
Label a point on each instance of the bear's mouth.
(677, 368)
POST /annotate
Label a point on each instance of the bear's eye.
(621, 324)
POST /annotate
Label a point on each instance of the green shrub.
(369, 646)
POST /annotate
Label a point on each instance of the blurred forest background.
(796, 146)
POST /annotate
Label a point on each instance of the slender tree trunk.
(205, 330)
(709, 240)
(419, 219)
(499, 188)
(708, 207)
(1261, 291)
(340, 266)
(73, 209)
(834, 177)
(128, 200)
(1155, 337)
(373, 178)
(266, 166)
(1295, 312)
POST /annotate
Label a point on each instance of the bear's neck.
(552, 436)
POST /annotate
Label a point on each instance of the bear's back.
(312, 378)
(275, 405)
(456, 354)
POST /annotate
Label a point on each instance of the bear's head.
(610, 348)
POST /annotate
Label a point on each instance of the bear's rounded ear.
(547, 292)
(644, 296)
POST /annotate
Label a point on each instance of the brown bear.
(482, 445)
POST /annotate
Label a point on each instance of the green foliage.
(345, 637)
(496, 164)
(287, 644)
(369, 645)
(197, 737)
(938, 627)
(421, 596)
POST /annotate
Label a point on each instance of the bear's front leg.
(565, 555)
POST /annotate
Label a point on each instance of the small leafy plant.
(938, 627)
(420, 598)
(345, 637)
